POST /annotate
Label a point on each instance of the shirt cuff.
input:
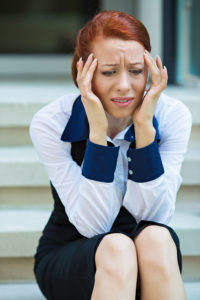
(100, 162)
(144, 164)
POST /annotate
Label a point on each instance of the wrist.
(148, 124)
(98, 138)
(144, 135)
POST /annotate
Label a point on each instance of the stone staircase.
(26, 202)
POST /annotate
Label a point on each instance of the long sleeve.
(152, 189)
(88, 193)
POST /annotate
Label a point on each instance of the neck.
(115, 125)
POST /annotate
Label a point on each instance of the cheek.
(141, 84)
(95, 84)
(96, 80)
(144, 80)
(99, 84)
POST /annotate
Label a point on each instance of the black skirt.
(67, 272)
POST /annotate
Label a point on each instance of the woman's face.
(121, 72)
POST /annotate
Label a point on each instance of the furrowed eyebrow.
(114, 65)
(137, 63)
(110, 65)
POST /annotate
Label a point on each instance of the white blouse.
(145, 180)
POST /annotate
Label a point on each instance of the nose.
(123, 83)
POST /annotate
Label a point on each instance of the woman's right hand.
(94, 109)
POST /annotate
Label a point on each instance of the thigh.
(156, 250)
(68, 272)
(162, 234)
(139, 229)
(114, 250)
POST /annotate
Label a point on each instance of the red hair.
(108, 23)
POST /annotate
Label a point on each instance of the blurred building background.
(37, 39)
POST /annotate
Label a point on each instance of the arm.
(91, 203)
(154, 172)
(151, 192)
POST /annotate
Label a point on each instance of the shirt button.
(129, 159)
(130, 172)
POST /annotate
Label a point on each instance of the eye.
(136, 71)
(108, 73)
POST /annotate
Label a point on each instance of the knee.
(156, 250)
(116, 255)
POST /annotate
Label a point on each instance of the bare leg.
(158, 265)
(116, 264)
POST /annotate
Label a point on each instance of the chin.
(120, 115)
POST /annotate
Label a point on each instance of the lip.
(121, 104)
(122, 98)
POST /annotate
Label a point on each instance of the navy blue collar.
(77, 128)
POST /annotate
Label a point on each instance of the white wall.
(147, 11)
(150, 13)
(121, 5)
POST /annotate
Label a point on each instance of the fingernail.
(94, 60)
(91, 54)
(79, 60)
(146, 52)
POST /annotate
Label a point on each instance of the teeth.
(121, 100)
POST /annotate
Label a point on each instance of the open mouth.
(122, 101)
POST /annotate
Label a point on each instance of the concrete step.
(30, 291)
(20, 167)
(16, 269)
(190, 96)
(26, 197)
(20, 100)
(188, 199)
(20, 291)
(20, 230)
(41, 197)
(187, 227)
(19, 136)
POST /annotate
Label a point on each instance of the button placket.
(129, 160)
(130, 172)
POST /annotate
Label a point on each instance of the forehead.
(107, 48)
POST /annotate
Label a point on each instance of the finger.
(79, 63)
(79, 66)
(164, 75)
(159, 63)
(155, 72)
(150, 58)
(157, 89)
(87, 64)
(90, 72)
(163, 71)
(84, 83)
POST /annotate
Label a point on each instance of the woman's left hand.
(143, 115)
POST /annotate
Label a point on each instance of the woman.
(113, 154)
